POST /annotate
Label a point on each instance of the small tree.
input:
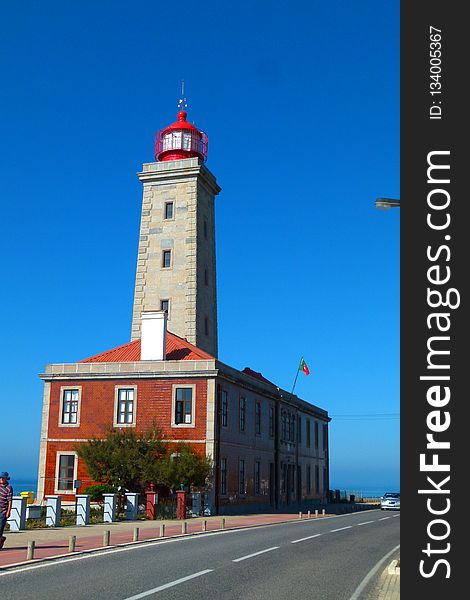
(187, 467)
(125, 458)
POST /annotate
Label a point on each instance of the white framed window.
(125, 404)
(65, 472)
(183, 413)
(70, 401)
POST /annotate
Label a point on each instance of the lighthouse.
(176, 263)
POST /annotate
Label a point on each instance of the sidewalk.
(54, 542)
(388, 584)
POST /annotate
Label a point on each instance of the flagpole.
(296, 375)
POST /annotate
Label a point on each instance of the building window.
(205, 229)
(316, 434)
(166, 259)
(257, 477)
(292, 428)
(168, 210)
(66, 472)
(309, 479)
(125, 408)
(258, 418)
(307, 432)
(299, 429)
(206, 325)
(325, 437)
(206, 277)
(271, 420)
(224, 408)
(165, 305)
(241, 477)
(223, 476)
(284, 479)
(70, 404)
(242, 413)
(183, 406)
(317, 479)
(283, 425)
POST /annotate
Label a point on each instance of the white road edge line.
(365, 523)
(340, 529)
(371, 573)
(251, 555)
(384, 518)
(310, 537)
(160, 588)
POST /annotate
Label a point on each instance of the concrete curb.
(394, 567)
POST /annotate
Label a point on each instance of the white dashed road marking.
(168, 585)
(306, 538)
(255, 554)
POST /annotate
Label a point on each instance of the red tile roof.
(176, 349)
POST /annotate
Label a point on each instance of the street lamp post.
(386, 203)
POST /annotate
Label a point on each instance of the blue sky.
(301, 104)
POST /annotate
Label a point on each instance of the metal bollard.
(323, 512)
(308, 515)
(30, 551)
(106, 537)
(184, 527)
(222, 523)
(204, 525)
(300, 515)
(162, 530)
(316, 512)
(135, 537)
(72, 542)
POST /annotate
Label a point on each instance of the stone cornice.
(156, 369)
(178, 169)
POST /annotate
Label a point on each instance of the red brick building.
(269, 449)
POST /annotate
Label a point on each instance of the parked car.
(390, 501)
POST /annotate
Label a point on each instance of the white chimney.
(153, 340)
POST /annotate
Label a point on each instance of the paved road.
(323, 559)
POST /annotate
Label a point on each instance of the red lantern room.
(181, 139)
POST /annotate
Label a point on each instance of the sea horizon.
(29, 484)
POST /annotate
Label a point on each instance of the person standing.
(6, 496)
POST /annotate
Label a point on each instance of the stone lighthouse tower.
(176, 256)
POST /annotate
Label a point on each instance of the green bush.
(96, 491)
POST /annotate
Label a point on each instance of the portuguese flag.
(303, 367)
